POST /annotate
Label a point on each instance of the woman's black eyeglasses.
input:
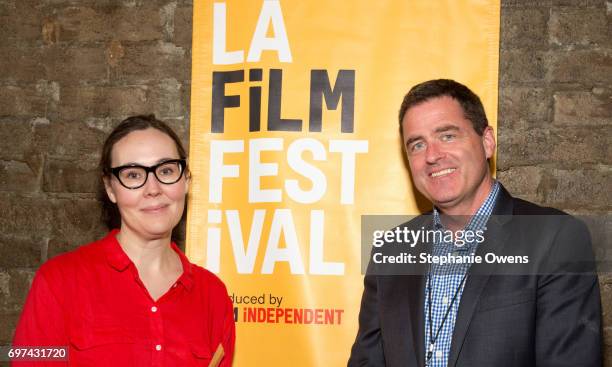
(134, 176)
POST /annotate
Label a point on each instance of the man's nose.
(433, 153)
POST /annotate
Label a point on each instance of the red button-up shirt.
(93, 301)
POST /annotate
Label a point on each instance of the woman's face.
(153, 210)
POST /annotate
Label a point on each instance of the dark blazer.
(548, 316)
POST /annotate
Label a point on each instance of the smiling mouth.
(443, 172)
(155, 208)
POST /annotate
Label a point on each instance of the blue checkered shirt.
(446, 279)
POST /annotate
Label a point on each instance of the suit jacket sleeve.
(368, 348)
(568, 321)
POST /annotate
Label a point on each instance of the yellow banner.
(294, 136)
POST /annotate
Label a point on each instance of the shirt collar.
(479, 220)
(119, 260)
(187, 277)
(114, 254)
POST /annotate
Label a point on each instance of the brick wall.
(555, 111)
(70, 70)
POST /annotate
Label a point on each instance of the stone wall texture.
(70, 70)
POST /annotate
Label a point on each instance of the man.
(545, 313)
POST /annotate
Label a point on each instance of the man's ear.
(109, 189)
(488, 141)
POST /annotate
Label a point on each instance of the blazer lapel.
(404, 313)
(478, 276)
(403, 320)
(416, 288)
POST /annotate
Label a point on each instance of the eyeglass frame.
(182, 163)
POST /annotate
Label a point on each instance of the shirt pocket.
(90, 337)
(495, 302)
(200, 353)
(93, 345)
(99, 338)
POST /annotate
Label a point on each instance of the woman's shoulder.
(208, 280)
(84, 256)
(206, 275)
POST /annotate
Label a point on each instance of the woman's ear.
(187, 180)
(109, 189)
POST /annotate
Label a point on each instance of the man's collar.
(481, 216)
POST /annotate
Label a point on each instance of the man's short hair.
(468, 100)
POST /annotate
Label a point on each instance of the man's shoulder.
(506, 204)
(524, 207)
(535, 214)
(418, 221)
(544, 215)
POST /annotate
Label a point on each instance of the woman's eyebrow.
(165, 159)
(161, 160)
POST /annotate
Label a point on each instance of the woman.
(133, 298)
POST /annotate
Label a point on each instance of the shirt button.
(445, 300)
(158, 347)
(153, 309)
(438, 354)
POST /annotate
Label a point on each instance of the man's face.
(447, 158)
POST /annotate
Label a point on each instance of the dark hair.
(110, 212)
(468, 100)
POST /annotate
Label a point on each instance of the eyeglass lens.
(166, 173)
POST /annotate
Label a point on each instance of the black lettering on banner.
(219, 100)
(320, 88)
(255, 100)
(275, 122)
